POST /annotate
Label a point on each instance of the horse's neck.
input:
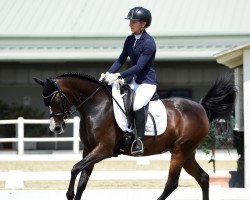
(91, 98)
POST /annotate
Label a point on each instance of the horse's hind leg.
(169, 188)
(194, 169)
(176, 162)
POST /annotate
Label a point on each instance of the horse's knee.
(75, 170)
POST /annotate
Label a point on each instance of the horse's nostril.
(57, 129)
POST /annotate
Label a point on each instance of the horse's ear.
(38, 81)
(51, 83)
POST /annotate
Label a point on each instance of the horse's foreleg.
(70, 193)
(194, 169)
(83, 180)
(93, 157)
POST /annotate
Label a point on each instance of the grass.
(107, 184)
(2, 184)
(36, 166)
(108, 165)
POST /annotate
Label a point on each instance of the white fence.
(20, 139)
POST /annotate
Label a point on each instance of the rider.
(141, 76)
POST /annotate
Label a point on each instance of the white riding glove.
(103, 76)
(111, 78)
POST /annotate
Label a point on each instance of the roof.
(232, 57)
(95, 29)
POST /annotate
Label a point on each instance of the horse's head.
(58, 102)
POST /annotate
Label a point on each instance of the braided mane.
(80, 76)
(50, 85)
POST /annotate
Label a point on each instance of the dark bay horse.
(188, 124)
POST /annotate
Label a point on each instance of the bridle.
(63, 99)
(66, 113)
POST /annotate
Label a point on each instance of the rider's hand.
(103, 76)
(111, 78)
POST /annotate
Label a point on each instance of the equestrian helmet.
(141, 14)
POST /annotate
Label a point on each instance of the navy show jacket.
(142, 57)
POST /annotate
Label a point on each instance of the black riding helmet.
(141, 14)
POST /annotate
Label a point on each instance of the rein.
(67, 114)
(115, 100)
(83, 102)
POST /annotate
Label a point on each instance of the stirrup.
(137, 150)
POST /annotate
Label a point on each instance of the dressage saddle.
(128, 96)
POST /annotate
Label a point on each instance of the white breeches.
(143, 94)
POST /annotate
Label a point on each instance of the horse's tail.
(220, 99)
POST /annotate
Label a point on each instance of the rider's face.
(137, 26)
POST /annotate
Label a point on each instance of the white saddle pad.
(156, 108)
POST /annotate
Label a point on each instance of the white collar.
(138, 36)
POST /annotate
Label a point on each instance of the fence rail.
(20, 139)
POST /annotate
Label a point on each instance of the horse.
(187, 124)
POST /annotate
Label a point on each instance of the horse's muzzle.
(58, 130)
(55, 127)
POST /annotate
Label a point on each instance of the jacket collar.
(144, 34)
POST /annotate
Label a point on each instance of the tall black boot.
(140, 122)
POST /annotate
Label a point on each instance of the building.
(238, 58)
(45, 38)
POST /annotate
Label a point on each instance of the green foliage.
(13, 112)
(220, 135)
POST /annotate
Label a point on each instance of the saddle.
(128, 99)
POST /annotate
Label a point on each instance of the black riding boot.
(140, 122)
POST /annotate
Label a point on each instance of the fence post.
(76, 126)
(20, 135)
